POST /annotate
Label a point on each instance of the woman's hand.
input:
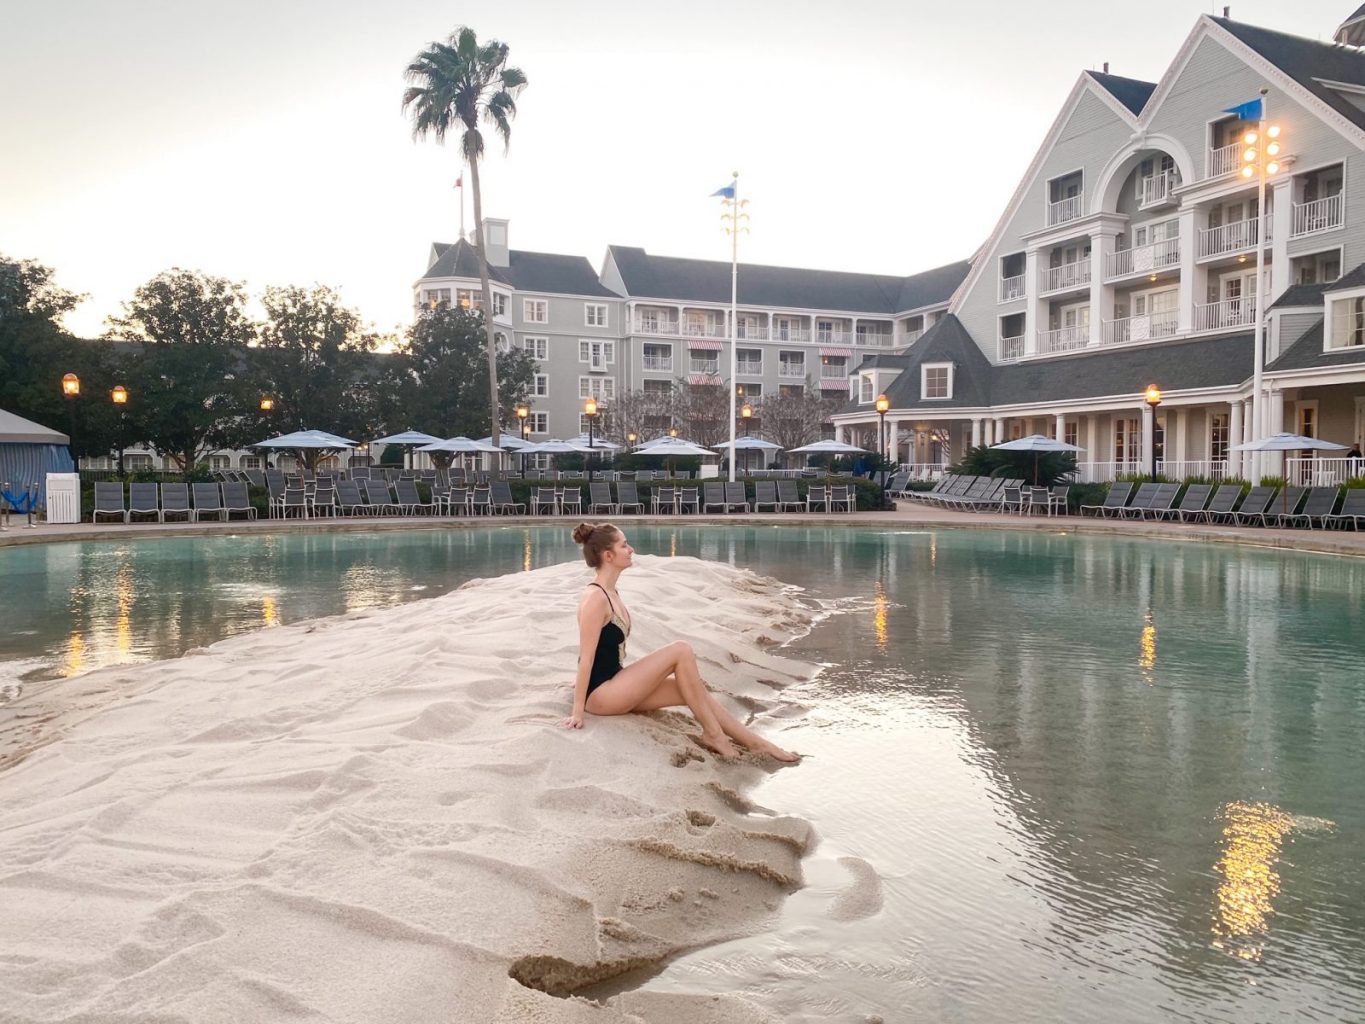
(574, 721)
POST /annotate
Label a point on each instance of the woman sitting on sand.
(667, 678)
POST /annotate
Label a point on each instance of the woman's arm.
(592, 613)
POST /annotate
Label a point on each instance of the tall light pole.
(746, 413)
(523, 414)
(734, 218)
(267, 407)
(590, 411)
(1259, 161)
(883, 404)
(71, 388)
(119, 396)
(1153, 400)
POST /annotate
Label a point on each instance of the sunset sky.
(265, 142)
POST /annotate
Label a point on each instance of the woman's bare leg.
(650, 683)
(669, 695)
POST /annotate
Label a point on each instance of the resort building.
(1127, 257)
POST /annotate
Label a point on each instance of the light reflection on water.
(1097, 778)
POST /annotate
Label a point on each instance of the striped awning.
(834, 383)
(707, 346)
(846, 352)
(706, 378)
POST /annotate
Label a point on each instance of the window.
(535, 311)
(1218, 437)
(499, 304)
(541, 387)
(657, 387)
(749, 361)
(468, 298)
(595, 314)
(137, 463)
(1127, 440)
(791, 364)
(1317, 268)
(749, 393)
(597, 354)
(1070, 432)
(1348, 322)
(601, 388)
(783, 328)
(536, 348)
(865, 389)
(658, 358)
(936, 380)
(824, 330)
(540, 422)
(220, 462)
(1308, 418)
(251, 462)
(434, 298)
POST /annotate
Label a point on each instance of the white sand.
(376, 818)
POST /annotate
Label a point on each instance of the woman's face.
(621, 553)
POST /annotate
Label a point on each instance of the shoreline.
(391, 787)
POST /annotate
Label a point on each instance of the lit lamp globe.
(267, 404)
(119, 395)
(71, 385)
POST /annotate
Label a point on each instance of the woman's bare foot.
(719, 745)
(777, 753)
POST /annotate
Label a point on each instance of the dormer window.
(936, 381)
(866, 392)
(1346, 317)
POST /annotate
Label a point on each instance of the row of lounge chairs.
(964, 493)
(1262, 506)
(220, 501)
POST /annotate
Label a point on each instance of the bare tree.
(642, 413)
(703, 411)
(792, 420)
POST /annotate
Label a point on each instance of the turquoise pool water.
(1097, 778)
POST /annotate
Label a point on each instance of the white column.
(1194, 279)
(1248, 434)
(1061, 426)
(999, 429)
(1273, 462)
(838, 432)
(976, 432)
(1102, 244)
(892, 448)
(1176, 424)
(1236, 460)
(1148, 438)
(1281, 221)
(1035, 309)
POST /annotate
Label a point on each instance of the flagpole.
(1258, 335)
(734, 318)
(459, 183)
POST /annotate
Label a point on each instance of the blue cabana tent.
(28, 452)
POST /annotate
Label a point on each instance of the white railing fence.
(1226, 238)
(1141, 328)
(1068, 275)
(658, 363)
(792, 370)
(1103, 472)
(704, 366)
(1228, 313)
(1143, 259)
(1321, 472)
(922, 470)
(1156, 188)
(1064, 210)
(1012, 288)
(1064, 339)
(1224, 160)
(655, 327)
(1010, 349)
(1319, 215)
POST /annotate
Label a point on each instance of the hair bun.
(582, 532)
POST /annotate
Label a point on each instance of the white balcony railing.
(871, 340)
(1228, 313)
(797, 334)
(749, 367)
(666, 327)
(657, 363)
(1102, 472)
(1063, 339)
(1319, 471)
(1141, 328)
(1010, 349)
(1012, 288)
(711, 366)
(911, 337)
(834, 337)
(830, 372)
(1155, 189)
(1224, 160)
(1230, 238)
(1068, 275)
(1064, 210)
(1319, 215)
(1143, 259)
(749, 332)
(791, 371)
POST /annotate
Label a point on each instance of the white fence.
(1143, 259)
(1321, 472)
(1319, 215)
(1068, 275)
(1064, 210)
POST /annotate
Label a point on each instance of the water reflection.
(1253, 835)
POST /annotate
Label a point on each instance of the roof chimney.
(1227, 12)
(1106, 67)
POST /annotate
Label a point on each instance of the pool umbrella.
(828, 448)
(407, 439)
(1287, 443)
(1036, 443)
(460, 445)
(316, 441)
(599, 443)
(506, 442)
(672, 446)
(749, 444)
(554, 446)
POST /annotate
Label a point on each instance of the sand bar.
(375, 817)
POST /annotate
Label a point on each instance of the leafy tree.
(35, 350)
(188, 376)
(456, 84)
(441, 393)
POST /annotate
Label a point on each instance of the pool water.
(1096, 777)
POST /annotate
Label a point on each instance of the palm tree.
(455, 84)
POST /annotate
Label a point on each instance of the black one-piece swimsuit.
(611, 647)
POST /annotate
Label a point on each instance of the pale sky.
(263, 141)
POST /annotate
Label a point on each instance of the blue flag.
(728, 191)
(1251, 110)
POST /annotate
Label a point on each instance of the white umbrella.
(407, 437)
(750, 443)
(306, 439)
(554, 446)
(829, 448)
(673, 446)
(598, 443)
(1036, 443)
(1288, 443)
(460, 445)
(507, 442)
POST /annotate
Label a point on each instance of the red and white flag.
(459, 182)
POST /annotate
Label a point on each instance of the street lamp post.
(590, 411)
(1153, 400)
(523, 414)
(119, 396)
(883, 404)
(71, 388)
(746, 413)
(267, 407)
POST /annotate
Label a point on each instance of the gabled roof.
(1133, 93)
(680, 279)
(1311, 294)
(1307, 353)
(1308, 62)
(526, 271)
(946, 342)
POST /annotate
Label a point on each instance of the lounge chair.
(1115, 499)
(1286, 501)
(295, 503)
(109, 501)
(255, 477)
(175, 501)
(274, 482)
(895, 487)
(410, 499)
(789, 496)
(845, 495)
(817, 494)
(1224, 502)
(236, 499)
(142, 502)
(663, 499)
(571, 500)
(457, 500)
(1162, 504)
(208, 501)
(503, 500)
(1142, 500)
(981, 489)
(735, 496)
(377, 496)
(324, 500)
(1318, 504)
(628, 497)
(349, 501)
(940, 485)
(765, 493)
(1352, 510)
(544, 501)
(481, 500)
(688, 498)
(599, 496)
(360, 473)
(1194, 502)
(712, 496)
(1255, 505)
